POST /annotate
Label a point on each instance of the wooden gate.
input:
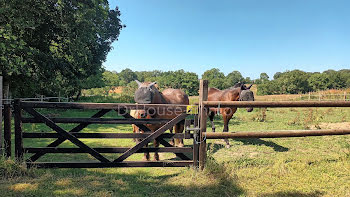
(33, 115)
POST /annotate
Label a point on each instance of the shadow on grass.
(116, 182)
(213, 147)
(259, 142)
(293, 194)
(278, 148)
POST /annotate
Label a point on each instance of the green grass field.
(311, 166)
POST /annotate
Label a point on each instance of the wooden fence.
(204, 106)
(74, 134)
(198, 132)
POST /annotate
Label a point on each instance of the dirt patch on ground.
(337, 125)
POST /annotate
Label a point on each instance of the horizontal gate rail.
(109, 150)
(60, 135)
(62, 105)
(110, 164)
(99, 120)
(106, 135)
(277, 134)
(66, 134)
(152, 136)
(279, 104)
(59, 141)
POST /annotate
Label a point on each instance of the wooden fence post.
(7, 129)
(344, 96)
(203, 96)
(18, 130)
(195, 142)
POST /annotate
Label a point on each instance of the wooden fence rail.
(277, 134)
(198, 134)
(276, 104)
(74, 135)
(205, 105)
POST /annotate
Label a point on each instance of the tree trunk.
(77, 96)
(6, 89)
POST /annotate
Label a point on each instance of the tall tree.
(50, 46)
(264, 77)
(215, 77)
(233, 78)
(126, 76)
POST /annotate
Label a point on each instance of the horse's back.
(175, 96)
(214, 94)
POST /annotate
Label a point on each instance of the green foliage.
(110, 78)
(296, 81)
(215, 77)
(319, 81)
(52, 46)
(187, 81)
(233, 78)
(126, 76)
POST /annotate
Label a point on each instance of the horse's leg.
(227, 115)
(156, 155)
(146, 156)
(172, 142)
(179, 127)
(211, 117)
(135, 129)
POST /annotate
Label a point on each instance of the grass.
(313, 166)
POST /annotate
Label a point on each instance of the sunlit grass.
(314, 166)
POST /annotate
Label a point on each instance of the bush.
(10, 168)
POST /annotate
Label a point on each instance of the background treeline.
(288, 82)
(297, 81)
(180, 79)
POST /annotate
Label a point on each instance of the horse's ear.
(138, 83)
(249, 86)
(152, 84)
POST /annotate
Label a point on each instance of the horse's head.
(145, 92)
(246, 95)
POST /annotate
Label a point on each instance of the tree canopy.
(297, 81)
(54, 46)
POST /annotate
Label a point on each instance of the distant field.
(321, 95)
(314, 166)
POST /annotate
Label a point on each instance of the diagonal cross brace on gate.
(146, 129)
(152, 136)
(66, 135)
(61, 140)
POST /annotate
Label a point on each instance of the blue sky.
(251, 36)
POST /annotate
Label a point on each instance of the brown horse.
(239, 92)
(136, 114)
(147, 93)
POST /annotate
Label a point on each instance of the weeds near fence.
(261, 116)
(296, 120)
(10, 169)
